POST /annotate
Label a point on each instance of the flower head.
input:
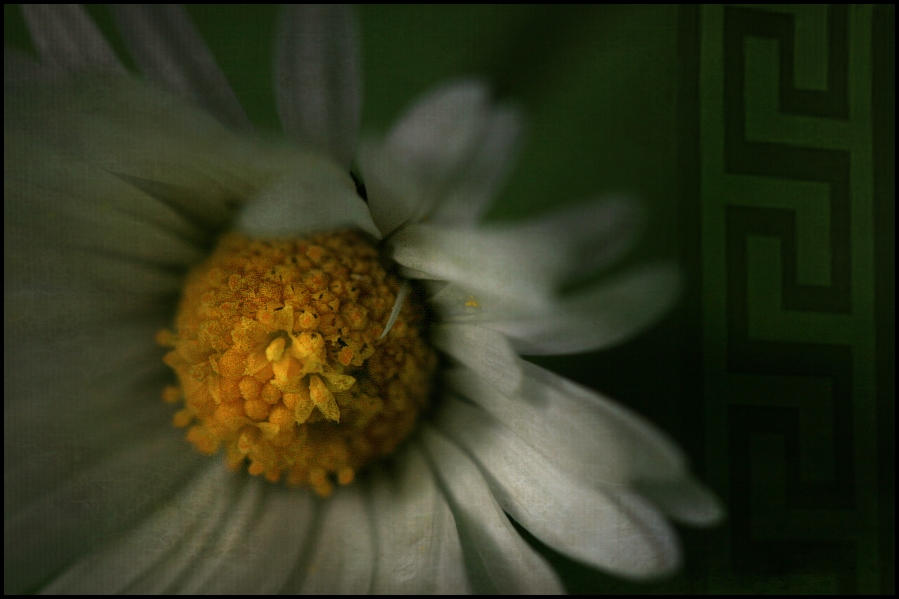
(306, 337)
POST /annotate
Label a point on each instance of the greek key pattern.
(787, 270)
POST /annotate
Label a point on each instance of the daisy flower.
(347, 349)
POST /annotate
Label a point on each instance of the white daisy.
(114, 189)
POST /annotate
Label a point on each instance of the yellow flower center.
(279, 353)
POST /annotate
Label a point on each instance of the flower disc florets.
(279, 353)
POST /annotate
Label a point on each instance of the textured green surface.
(761, 141)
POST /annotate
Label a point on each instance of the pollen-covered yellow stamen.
(280, 360)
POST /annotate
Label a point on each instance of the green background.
(636, 100)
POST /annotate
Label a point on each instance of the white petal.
(458, 305)
(580, 239)
(316, 197)
(104, 378)
(485, 352)
(171, 53)
(92, 507)
(685, 500)
(501, 267)
(271, 547)
(514, 269)
(20, 68)
(228, 544)
(342, 560)
(584, 434)
(180, 156)
(418, 547)
(441, 130)
(496, 550)
(70, 239)
(84, 289)
(71, 205)
(611, 528)
(455, 303)
(66, 37)
(478, 183)
(39, 175)
(197, 543)
(394, 193)
(83, 301)
(424, 153)
(605, 315)
(318, 88)
(146, 558)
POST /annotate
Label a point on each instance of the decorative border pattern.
(784, 254)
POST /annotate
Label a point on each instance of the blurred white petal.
(504, 561)
(611, 528)
(20, 68)
(179, 156)
(90, 507)
(317, 81)
(148, 558)
(170, 53)
(483, 351)
(604, 315)
(342, 556)
(439, 132)
(582, 433)
(580, 239)
(78, 392)
(228, 541)
(315, 198)
(268, 552)
(415, 532)
(437, 149)
(515, 268)
(66, 38)
(686, 500)
(470, 194)
(73, 205)
(498, 267)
